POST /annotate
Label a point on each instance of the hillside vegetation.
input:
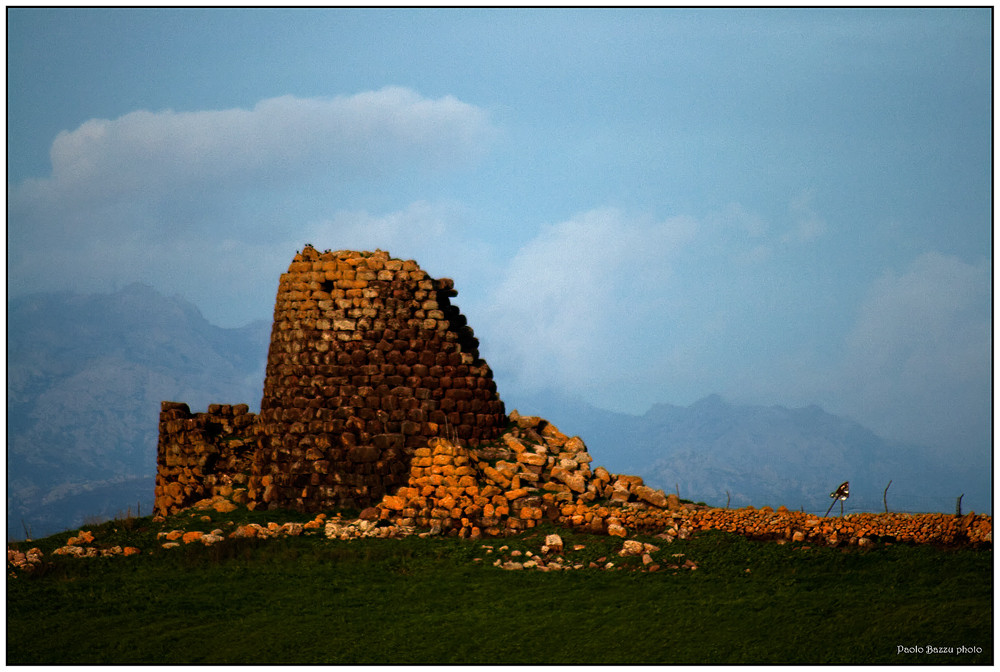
(306, 598)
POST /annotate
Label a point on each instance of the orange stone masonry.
(201, 455)
(535, 473)
(375, 397)
(368, 361)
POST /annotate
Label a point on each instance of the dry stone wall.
(858, 529)
(202, 455)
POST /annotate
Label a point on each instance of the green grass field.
(428, 600)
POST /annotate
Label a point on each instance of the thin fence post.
(884, 503)
(727, 499)
(958, 505)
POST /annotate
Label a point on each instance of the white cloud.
(625, 312)
(919, 358)
(431, 233)
(569, 303)
(150, 193)
(147, 154)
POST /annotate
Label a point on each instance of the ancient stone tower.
(368, 361)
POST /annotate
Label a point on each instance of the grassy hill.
(309, 599)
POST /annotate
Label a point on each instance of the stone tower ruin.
(368, 361)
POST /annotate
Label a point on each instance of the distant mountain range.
(86, 375)
(85, 378)
(717, 452)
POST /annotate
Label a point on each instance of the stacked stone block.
(202, 455)
(368, 361)
(530, 474)
(858, 529)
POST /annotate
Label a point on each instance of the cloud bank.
(919, 359)
(623, 309)
(149, 194)
(147, 154)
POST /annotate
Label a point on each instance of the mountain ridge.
(87, 373)
(717, 451)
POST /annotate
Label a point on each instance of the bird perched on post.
(841, 493)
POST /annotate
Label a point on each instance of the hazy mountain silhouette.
(85, 378)
(86, 375)
(712, 451)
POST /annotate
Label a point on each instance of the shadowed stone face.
(368, 361)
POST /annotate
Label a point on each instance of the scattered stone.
(631, 548)
(224, 506)
(553, 544)
(24, 561)
(85, 537)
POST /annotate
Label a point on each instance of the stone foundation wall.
(202, 455)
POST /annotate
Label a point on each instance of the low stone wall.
(782, 524)
(535, 472)
(202, 455)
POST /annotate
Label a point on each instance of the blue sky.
(637, 206)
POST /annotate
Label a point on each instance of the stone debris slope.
(529, 475)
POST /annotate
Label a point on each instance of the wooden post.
(958, 505)
(886, 505)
